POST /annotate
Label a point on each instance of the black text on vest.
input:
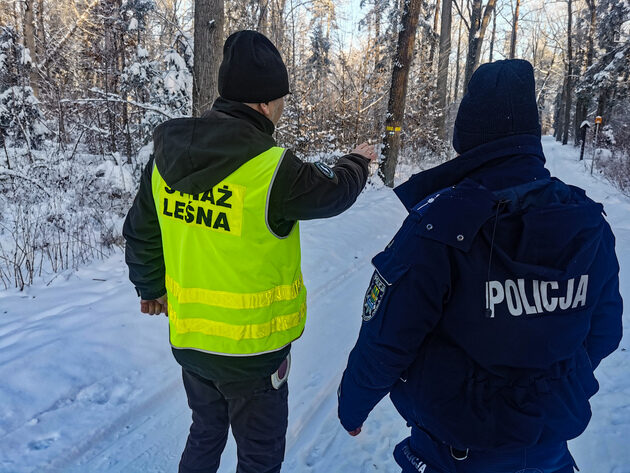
(209, 209)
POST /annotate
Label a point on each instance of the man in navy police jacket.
(494, 303)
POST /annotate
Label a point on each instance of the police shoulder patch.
(325, 170)
(373, 296)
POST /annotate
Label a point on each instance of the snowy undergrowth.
(60, 209)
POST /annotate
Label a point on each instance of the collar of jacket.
(522, 152)
(241, 111)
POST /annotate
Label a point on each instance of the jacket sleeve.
(606, 325)
(305, 191)
(143, 251)
(393, 328)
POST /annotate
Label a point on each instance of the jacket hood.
(511, 153)
(543, 226)
(195, 154)
(548, 228)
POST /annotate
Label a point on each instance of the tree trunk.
(444, 54)
(435, 39)
(378, 66)
(473, 41)
(398, 90)
(476, 33)
(569, 80)
(111, 66)
(16, 16)
(29, 42)
(277, 24)
(514, 30)
(263, 22)
(122, 62)
(493, 35)
(457, 63)
(294, 97)
(583, 101)
(559, 126)
(208, 38)
(540, 100)
(41, 32)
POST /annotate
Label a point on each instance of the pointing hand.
(366, 150)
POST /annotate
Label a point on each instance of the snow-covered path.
(89, 383)
(603, 447)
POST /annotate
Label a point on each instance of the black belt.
(456, 453)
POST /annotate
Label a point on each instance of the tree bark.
(378, 66)
(583, 101)
(435, 39)
(111, 66)
(444, 54)
(122, 62)
(569, 80)
(493, 35)
(476, 33)
(277, 23)
(457, 63)
(398, 90)
(29, 42)
(559, 126)
(208, 37)
(41, 32)
(514, 30)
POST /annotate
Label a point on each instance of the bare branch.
(460, 15)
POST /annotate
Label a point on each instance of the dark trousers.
(420, 453)
(257, 414)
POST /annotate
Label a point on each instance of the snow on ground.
(603, 447)
(89, 383)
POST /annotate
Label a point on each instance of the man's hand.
(366, 150)
(355, 432)
(155, 306)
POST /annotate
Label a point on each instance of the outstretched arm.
(305, 191)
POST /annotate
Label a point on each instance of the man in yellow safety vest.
(213, 241)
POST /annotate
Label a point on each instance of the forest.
(83, 83)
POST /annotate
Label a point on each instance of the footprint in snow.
(43, 444)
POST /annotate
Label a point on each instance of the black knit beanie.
(500, 102)
(252, 70)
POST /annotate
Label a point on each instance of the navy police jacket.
(490, 309)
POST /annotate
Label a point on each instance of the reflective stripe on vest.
(230, 300)
(233, 287)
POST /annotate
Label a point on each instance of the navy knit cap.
(500, 102)
(252, 70)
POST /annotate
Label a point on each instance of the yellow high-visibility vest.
(234, 287)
